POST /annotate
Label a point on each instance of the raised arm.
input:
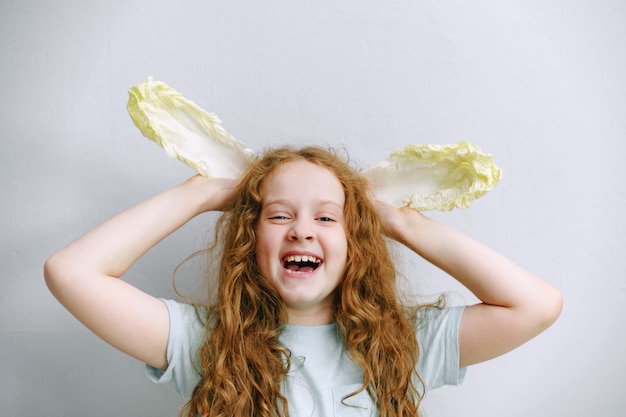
(83, 275)
(515, 304)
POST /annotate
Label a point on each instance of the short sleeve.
(185, 337)
(438, 338)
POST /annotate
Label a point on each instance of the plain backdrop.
(538, 84)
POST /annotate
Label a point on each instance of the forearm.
(113, 247)
(491, 277)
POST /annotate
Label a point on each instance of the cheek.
(343, 238)
(341, 247)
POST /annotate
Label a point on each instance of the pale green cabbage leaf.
(424, 177)
(186, 131)
(434, 177)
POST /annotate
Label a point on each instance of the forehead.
(302, 180)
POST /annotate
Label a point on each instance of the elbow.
(550, 308)
(538, 315)
(558, 305)
(50, 272)
(53, 272)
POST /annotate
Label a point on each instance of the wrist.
(405, 224)
(207, 194)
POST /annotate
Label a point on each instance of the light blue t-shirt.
(321, 374)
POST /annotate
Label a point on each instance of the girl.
(306, 321)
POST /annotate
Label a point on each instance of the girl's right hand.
(214, 193)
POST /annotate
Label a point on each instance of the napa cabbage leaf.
(434, 177)
(186, 131)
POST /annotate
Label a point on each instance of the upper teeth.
(303, 258)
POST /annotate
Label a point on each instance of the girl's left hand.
(394, 220)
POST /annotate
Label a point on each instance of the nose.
(301, 230)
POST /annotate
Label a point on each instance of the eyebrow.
(284, 202)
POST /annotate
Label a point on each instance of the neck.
(309, 318)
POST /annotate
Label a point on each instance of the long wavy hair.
(242, 362)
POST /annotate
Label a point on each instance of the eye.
(278, 217)
(325, 219)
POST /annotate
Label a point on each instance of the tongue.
(294, 267)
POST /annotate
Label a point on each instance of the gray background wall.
(539, 84)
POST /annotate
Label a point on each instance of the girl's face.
(301, 244)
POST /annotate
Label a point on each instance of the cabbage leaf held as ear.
(424, 177)
(434, 177)
(186, 131)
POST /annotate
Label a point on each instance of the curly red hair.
(242, 362)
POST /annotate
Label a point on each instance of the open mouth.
(302, 264)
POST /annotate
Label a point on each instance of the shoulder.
(438, 326)
(186, 311)
(438, 338)
(186, 334)
(429, 319)
(186, 320)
